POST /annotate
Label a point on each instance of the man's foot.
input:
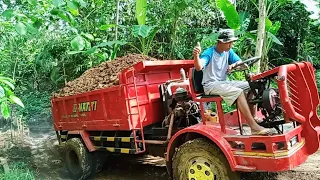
(263, 132)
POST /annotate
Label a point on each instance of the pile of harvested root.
(102, 76)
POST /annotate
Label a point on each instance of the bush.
(18, 171)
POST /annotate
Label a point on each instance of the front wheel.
(200, 159)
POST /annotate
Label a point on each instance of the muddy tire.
(78, 159)
(99, 158)
(200, 159)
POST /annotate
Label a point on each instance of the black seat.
(197, 84)
(197, 81)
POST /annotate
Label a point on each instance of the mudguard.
(85, 137)
(212, 132)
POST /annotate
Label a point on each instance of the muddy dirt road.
(152, 168)
(46, 159)
(148, 167)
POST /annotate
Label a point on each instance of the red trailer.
(157, 110)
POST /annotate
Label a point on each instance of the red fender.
(211, 132)
(85, 137)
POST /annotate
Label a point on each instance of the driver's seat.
(197, 93)
(197, 87)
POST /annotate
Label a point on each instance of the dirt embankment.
(101, 76)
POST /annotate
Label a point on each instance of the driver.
(216, 62)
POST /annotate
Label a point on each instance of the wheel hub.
(200, 171)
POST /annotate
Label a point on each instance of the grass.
(18, 171)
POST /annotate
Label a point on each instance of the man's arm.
(234, 59)
(199, 62)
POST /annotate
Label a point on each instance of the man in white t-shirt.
(216, 62)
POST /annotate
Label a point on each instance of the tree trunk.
(117, 19)
(261, 31)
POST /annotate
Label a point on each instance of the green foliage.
(225, 107)
(230, 12)
(78, 43)
(7, 96)
(294, 33)
(9, 13)
(141, 11)
(145, 34)
(37, 103)
(310, 47)
(272, 31)
(48, 43)
(317, 73)
(58, 3)
(244, 20)
(21, 28)
(274, 38)
(141, 30)
(5, 110)
(18, 171)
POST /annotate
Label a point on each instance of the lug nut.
(207, 173)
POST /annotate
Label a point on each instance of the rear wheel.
(78, 159)
(99, 158)
(200, 159)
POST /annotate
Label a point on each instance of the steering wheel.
(248, 62)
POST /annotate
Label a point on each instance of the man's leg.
(252, 107)
(232, 94)
(249, 95)
(245, 110)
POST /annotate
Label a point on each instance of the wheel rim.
(200, 169)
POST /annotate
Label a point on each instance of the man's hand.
(243, 66)
(196, 53)
(197, 50)
(230, 67)
(236, 67)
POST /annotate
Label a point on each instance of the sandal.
(263, 132)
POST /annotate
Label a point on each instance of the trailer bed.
(116, 108)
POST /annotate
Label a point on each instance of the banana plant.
(143, 32)
(141, 11)
(229, 11)
(7, 96)
(272, 31)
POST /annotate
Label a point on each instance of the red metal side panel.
(150, 105)
(148, 76)
(274, 164)
(95, 110)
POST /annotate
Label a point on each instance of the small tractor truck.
(158, 109)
